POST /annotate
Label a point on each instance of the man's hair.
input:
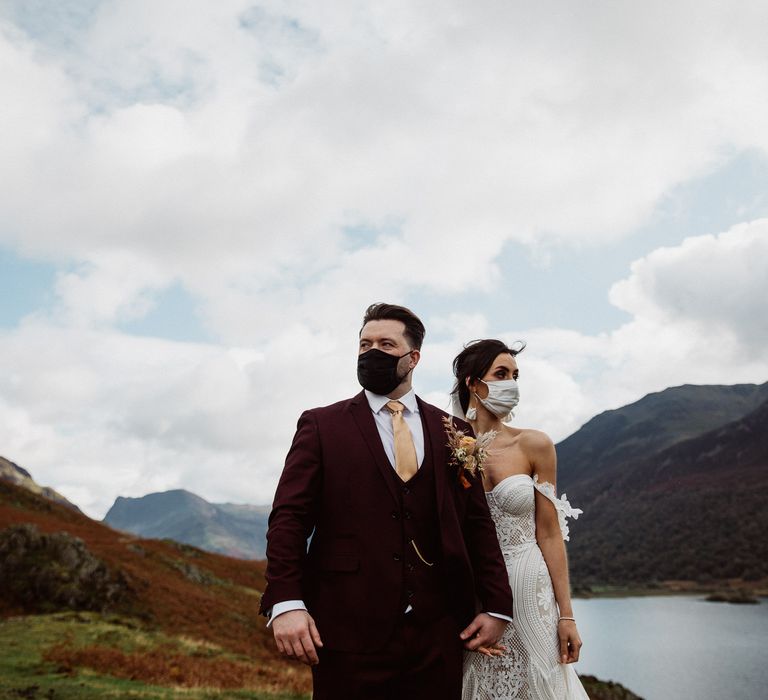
(414, 328)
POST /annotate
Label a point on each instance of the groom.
(404, 569)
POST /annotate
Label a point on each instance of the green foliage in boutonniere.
(467, 453)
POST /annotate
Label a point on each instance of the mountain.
(690, 509)
(13, 473)
(225, 528)
(735, 451)
(603, 445)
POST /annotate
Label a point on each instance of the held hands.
(570, 642)
(296, 636)
(483, 633)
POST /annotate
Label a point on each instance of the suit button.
(409, 594)
(395, 515)
(406, 490)
(396, 557)
(407, 514)
(411, 567)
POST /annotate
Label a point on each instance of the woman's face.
(503, 367)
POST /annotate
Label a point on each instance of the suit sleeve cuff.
(506, 618)
(284, 607)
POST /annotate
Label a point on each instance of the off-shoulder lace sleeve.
(563, 508)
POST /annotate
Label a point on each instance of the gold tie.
(406, 465)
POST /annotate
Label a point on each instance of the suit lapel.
(363, 417)
(434, 431)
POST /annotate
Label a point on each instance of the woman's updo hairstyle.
(474, 361)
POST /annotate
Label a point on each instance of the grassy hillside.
(87, 656)
(179, 600)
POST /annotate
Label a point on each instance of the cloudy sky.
(199, 199)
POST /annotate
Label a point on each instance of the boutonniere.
(467, 453)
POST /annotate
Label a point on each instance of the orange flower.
(467, 442)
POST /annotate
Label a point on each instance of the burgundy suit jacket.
(335, 487)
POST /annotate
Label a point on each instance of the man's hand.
(296, 636)
(483, 632)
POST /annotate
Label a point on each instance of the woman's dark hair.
(475, 360)
(414, 328)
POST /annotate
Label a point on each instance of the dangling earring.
(471, 413)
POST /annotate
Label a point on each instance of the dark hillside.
(606, 443)
(694, 511)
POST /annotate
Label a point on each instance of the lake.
(676, 647)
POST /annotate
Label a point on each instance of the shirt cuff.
(284, 607)
(499, 615)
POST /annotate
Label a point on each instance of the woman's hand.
(570, 642)
(495, 650)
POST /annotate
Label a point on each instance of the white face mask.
(502, 397)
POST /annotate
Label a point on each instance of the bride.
(532, 659)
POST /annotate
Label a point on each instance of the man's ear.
(415, 357)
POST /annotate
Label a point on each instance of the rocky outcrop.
(606, 690)
(47, 572)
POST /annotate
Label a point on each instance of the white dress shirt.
(383, 419)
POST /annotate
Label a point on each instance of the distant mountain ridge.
(737, 450)
(603, 445)
(13, 473)
(225, 528)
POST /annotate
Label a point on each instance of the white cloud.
(108, 414)
(718, 282)
(97, 413)
(699, 315)
(230, 145)
(112, 286)
(290, 164)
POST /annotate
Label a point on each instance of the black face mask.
(377, 371)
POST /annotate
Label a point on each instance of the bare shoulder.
(535, 440)
(540, 450)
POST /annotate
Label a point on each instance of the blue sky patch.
(26, 286)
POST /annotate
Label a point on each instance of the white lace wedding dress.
(529, 669)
